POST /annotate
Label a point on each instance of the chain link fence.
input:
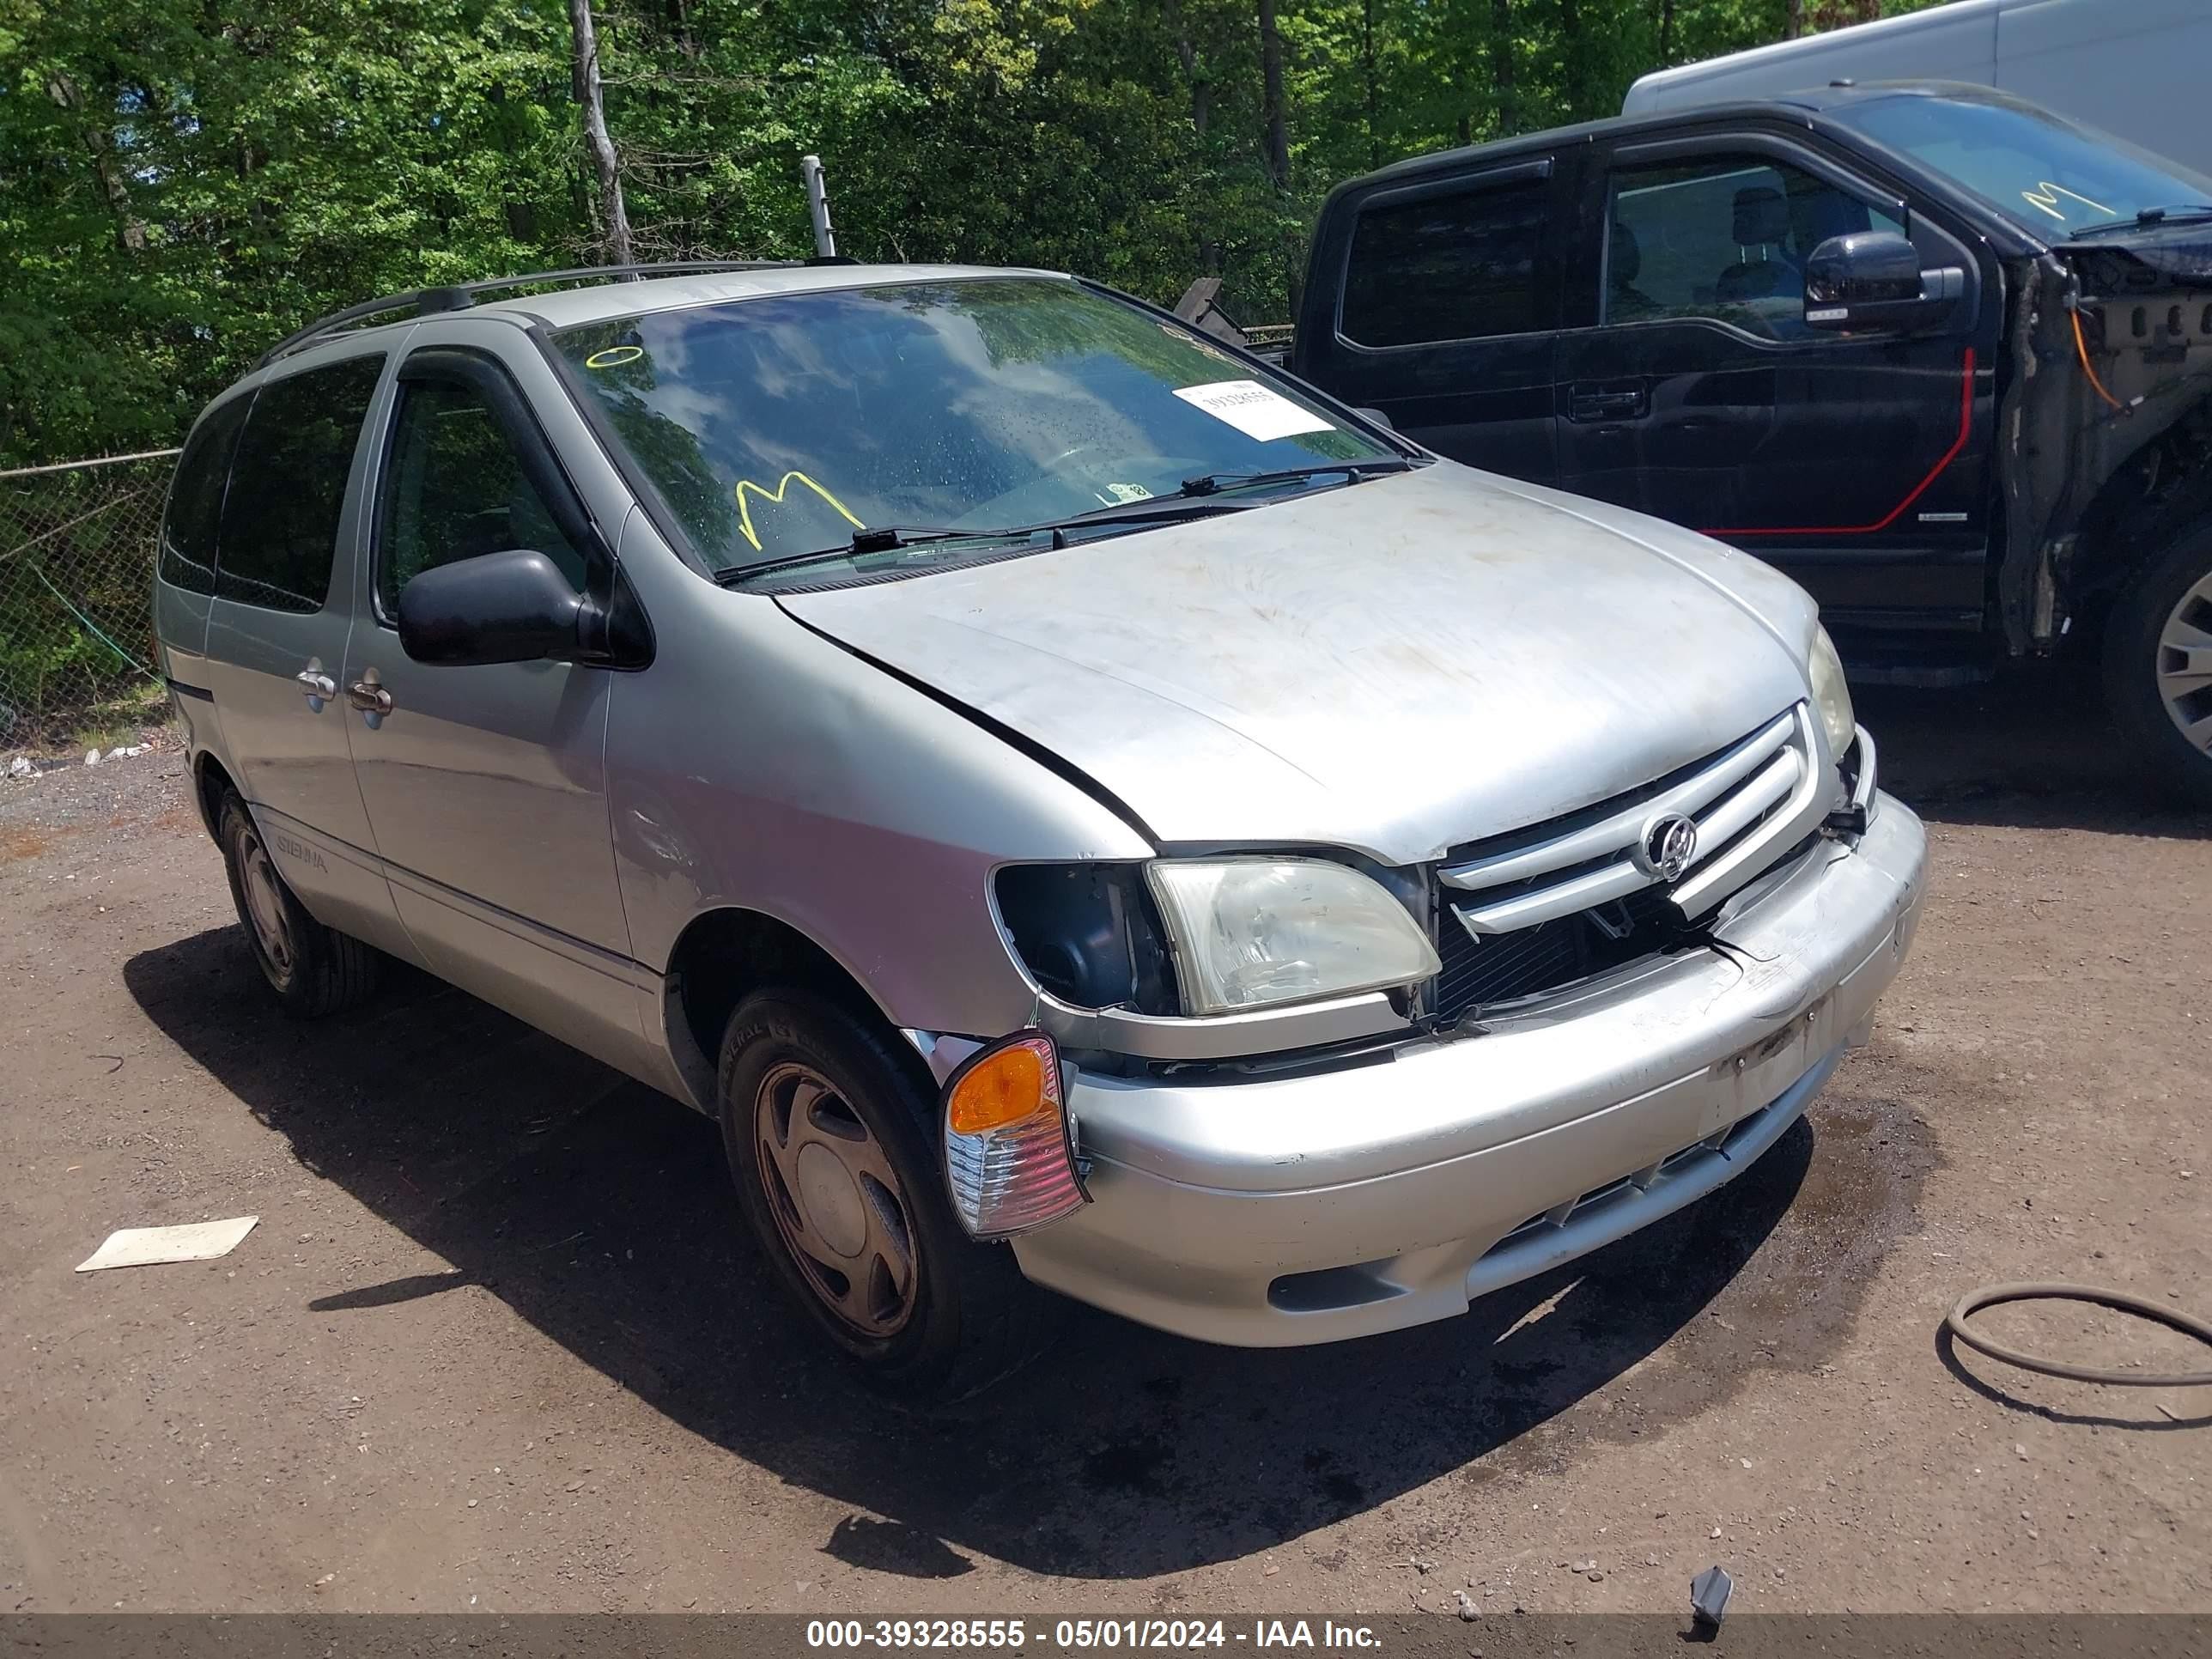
(76, 627)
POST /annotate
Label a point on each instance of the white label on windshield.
(1253, 409)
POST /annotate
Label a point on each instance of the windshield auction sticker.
(1253, 409)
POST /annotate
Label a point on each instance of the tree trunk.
(1501, 67)
(1793, 22)
(1666, 32)
(1367, 68)
(1278, 153)
(99, 144)
(584, 63)
(1574, 58)
(1201, 91)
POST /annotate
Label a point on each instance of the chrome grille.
(1549, 906)
(1754, 799)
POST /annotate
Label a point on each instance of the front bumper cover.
(1388, 1192)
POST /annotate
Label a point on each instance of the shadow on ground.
(2032, 749)
(600, 1211)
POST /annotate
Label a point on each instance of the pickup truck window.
(779, 427)
(288, 485)
(2038, 169)
(1724, 237)
(1448, 267)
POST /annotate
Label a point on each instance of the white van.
(2136, 68)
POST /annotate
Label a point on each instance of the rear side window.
(188, 527)
(455, 489)
(1451, 267)
(280, 520)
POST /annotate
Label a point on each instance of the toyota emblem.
(1669, 841)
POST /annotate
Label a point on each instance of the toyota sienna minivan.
(1074, 804)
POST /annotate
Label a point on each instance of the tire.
(314, 969)
(2170, 600)
(806, 1091)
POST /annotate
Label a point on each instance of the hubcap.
(838, 1203)
(2184, 664)
(265, 903)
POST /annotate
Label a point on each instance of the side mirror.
(1871, 279)
(511, 606)
(1375, 418)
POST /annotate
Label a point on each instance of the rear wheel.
(2158, 666)
(827, 1130)
(314, 969)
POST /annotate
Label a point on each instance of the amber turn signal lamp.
(1009, 1163)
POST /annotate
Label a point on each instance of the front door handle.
(319, 688)
(369, 697)
(1607, 404)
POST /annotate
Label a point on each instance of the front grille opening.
(1553, 955)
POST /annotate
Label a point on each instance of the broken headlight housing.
(1233, 933)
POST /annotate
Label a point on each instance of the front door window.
(1723, 237)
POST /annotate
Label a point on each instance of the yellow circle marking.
(614, 356)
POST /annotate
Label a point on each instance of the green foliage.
(182, 183)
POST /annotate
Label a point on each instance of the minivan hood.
(1397, 667)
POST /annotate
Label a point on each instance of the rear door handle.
(318, 688)
(1608, 403)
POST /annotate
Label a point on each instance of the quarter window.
(455, 489)
(1725, 237)
(188, 527)
(287, 484)
(1456, 266)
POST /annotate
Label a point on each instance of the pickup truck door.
(1436, 301)
(486, 783)
(1695, 391)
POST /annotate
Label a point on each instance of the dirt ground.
(498, 1344)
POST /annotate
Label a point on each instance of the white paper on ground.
(1253, 409)
(143, 1247)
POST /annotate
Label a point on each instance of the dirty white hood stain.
(1397, 667)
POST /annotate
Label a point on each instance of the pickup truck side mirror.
(510, 606)
(1375, 418)
(1872, 279)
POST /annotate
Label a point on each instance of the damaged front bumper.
(1389, 1189)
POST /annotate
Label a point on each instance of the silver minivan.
(1075, 805)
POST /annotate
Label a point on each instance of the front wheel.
(2158, 666)
(828, 1133)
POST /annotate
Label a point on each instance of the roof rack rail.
(459, 296)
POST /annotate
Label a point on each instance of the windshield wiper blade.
(1196, 499)
(873, 538)
(1212, 483)
(2188, 213)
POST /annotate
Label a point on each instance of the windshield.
(777, 427)
(2035, 167)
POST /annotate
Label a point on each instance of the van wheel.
(314, 969)
(2158, 666)
(828, 1132)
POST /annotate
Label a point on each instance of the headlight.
(1249, 932)
(1831, 695)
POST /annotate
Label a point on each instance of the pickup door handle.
(1604, 403)
(320, 688)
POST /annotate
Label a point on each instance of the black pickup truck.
(1943, 355)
